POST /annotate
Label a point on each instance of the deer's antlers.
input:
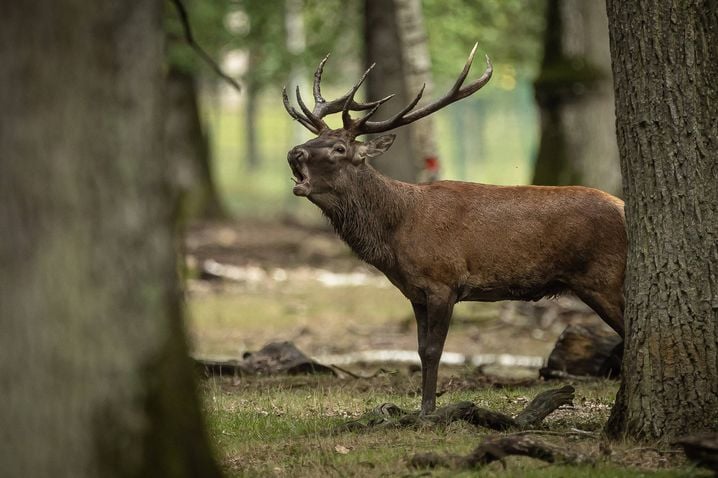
(312, 120)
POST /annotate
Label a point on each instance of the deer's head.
(327, 160)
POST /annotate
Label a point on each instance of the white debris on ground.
(254, 276)
(447, 358)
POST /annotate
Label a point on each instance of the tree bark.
(251, 126)
(383, 47)
(417, 73)
(665, 66)
(188, 147)
(93, 359)
(574, 91)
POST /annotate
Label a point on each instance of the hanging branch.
(184, 18)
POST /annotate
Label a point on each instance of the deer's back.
(467, 234)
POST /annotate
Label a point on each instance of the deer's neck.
(365, 213)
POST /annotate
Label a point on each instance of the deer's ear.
(374, 148)
(378, 146)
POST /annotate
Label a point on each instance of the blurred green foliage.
(259, 28)
(509, 31)
(490, 137)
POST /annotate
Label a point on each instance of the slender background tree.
(574, 92)
(186, 133)
(383, 46)
(665, 66)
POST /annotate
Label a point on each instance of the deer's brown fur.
(452, 241)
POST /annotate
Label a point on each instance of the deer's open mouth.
(302, 186)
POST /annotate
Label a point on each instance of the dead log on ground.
(585, 351)
(274, 358)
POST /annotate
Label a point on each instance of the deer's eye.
(340, 149)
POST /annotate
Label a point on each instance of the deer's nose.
(297, 154)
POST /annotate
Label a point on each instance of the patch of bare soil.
(276, 244)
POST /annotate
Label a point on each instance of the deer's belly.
(510, 292)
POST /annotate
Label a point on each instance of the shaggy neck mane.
(365, 213)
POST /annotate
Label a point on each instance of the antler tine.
(456, 93)
(413, 103)
(465, 72)
(329, 107)
(377, 104)
(350, 96)
(295, 114)
(317, 81)
(315, 120)
(312, 120)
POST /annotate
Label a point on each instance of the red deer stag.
(452, 241)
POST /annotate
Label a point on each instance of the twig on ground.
(572, 432)
(356, 375)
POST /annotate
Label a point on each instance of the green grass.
(232, 323)
(281, 427)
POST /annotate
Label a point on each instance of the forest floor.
(255, 282)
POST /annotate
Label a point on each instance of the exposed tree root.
(389, 415)
(702, 449)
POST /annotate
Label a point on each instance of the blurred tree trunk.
(574, 92)
(417, 72)
(93, 356)
(188, 147)
(383, 45)
(296, 44)
(251, 126)
(665, 67)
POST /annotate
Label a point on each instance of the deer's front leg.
(432, 321)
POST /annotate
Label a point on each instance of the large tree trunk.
(665, 68)
(574, 91)
(94, 371)
(383, 47)
(188, 147)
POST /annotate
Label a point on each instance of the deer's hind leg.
(607, 301)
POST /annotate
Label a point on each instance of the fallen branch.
(544, 404)
(572, 432)
(496, 448)
(351, 374)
